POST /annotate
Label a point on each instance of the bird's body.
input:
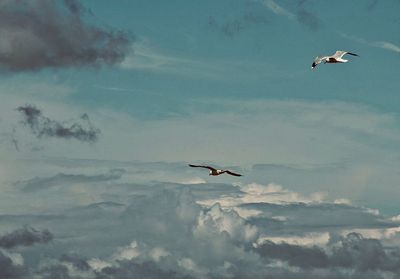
(335, 58)
(215, 172)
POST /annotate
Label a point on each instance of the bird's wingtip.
(354, 54)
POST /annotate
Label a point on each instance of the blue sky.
(104, 105)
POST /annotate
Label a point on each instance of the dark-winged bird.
(214, 171)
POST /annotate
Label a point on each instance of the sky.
(105, 103)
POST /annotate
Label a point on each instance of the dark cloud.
(234, 25)
(295, 255)
(76, 261)
(38, 183)
(58, 271)
(9, 270)
(37, 34)
(43, 126)
(353, 252)
(25, 237)
(364, 254)
(129, 269)
(325, 217)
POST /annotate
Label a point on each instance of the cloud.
(295, 255)
(231, 27)
(277, 9)
(352, 251)
(257, 193)
(38, 34)
(9, 269)
(43, 126)
(167, 234)
(378, 44)
(26, 236)
(37, 184)
(302, 15)
(387, 46)
(146, 57)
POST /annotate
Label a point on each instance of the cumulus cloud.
(167, 234)
(26, 236)
(42, 126)
(249, 230)
(37, 34)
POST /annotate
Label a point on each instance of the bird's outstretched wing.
(341, 53)
(200, 166)
(317, 61)
(232, 173)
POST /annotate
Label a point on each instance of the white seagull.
(214, 171)
(336, 58)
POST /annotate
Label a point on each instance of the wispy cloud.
(301, 15)
(378, 44)
(277, 9)
(387, 45)
(230, 27)
(37, 184)
(145, 57)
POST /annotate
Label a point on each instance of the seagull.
(336, 58)
(214, 171)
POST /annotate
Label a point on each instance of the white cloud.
(194, 180)
(257, 193)
(310, 239)
(396, 218)
(387, 45)
(127, 253)
(157, 253)
(97, 264)
(342, 201)
(226, 221)
(145, 56)
(277, 9)
(378, 44)
(16, 258)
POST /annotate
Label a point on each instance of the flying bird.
(214, 171)
(336, 58)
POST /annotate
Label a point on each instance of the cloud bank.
(200, 231)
